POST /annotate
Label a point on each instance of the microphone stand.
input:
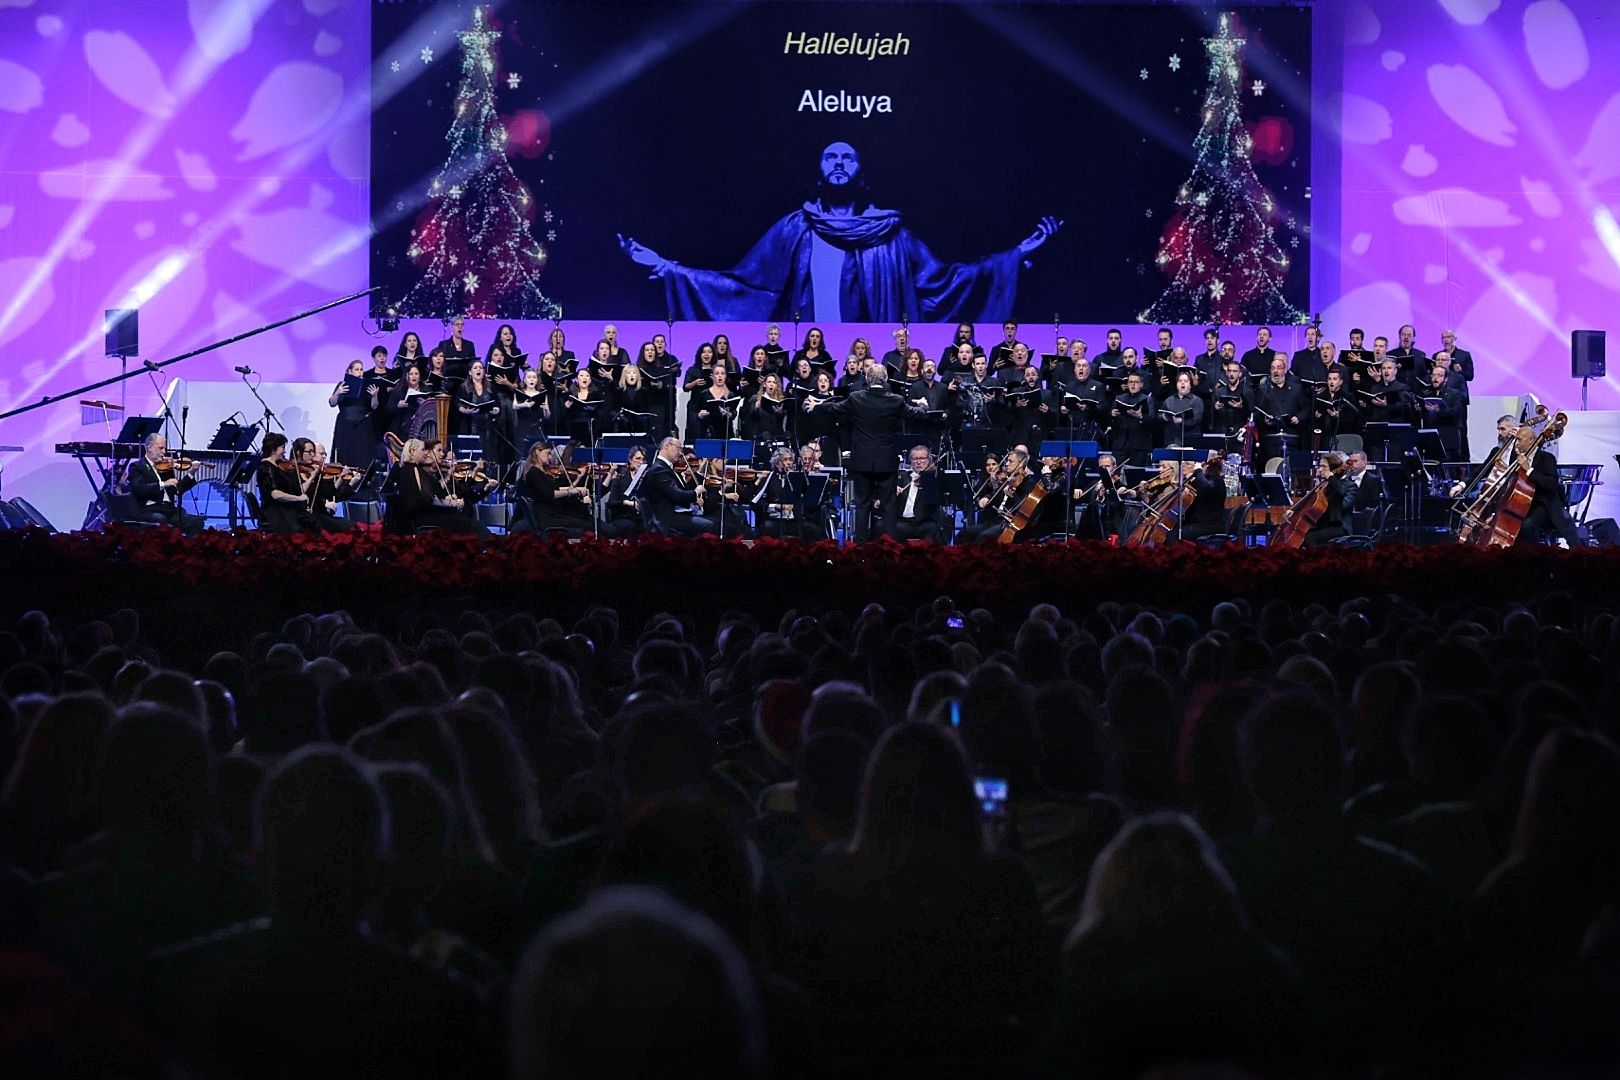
(168, 415)
(269, 417)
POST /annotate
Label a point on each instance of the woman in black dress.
(764, 416)
(402, 402)
(724, 355)
(710, 413)
(640, 407)
(556, 499)
(531, 408)
(420, 497)
(583, 410)
(479, 410)
(556, 345)
(354, 439)
(410, 352)
(283, 500)
(818, 425)
(697, 376)
(752, 376)
(815, 351)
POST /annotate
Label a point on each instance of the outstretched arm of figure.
(1043, 232)
(642, 255)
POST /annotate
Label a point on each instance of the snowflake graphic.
(455, 191)
(394, 67)
(1293, 241)
(455, 260)
(547, 216)
(1148, 212)
(513, 81)
(1143, 74)
(399, 205)
(471, 281)
(427, 56)
(1217, 290)
(551, 234)
(1175, 62)
(1202, 199)
(1258, 88)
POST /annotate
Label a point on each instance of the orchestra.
(902, 446)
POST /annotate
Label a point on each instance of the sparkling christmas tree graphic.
(477, 253)
(1218, 247)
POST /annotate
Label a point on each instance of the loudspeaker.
(1605, 532)
(1586, 354)
(32, 515)
(123, 332)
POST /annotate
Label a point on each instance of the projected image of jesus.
(838, 258)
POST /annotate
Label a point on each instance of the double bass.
(1495, 518)
(1303, 515)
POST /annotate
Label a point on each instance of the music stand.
(727, 451)
(600, 455)
(1383, 435)
(977, 444)
(1068, 451)
(137, 429)
(1430, 446)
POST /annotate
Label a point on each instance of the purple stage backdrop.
(206, 162)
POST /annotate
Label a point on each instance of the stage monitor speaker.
(123, 332)
(25, 510)
(1605, 532)
(1586, 354)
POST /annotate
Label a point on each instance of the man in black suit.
(914, 511)
(874, 417)
(1283, 402)
(661, 492)
(1257, 361)
(1548, 511)
(158, 493)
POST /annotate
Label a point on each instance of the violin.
(173, 465)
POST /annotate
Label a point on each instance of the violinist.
(663, 491)
(725, 496)
(354, 440)
(710, 412)
(557, 498)
(459, 352)
(621, 506)
(480, 411)
(156, 486)
(421, 499)
(1017, 481)
(985, 487)
(466, 480)
(1131, 436)
(284, 486)
(764, 416)
(1097, 504)
(531, 408)
(1341, 500)
(914, 511)
(779, 507)
(333, 484)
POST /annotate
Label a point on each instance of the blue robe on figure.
(887, 274)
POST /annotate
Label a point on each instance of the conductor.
(874, 416)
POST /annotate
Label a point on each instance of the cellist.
(1334, 521)
(1017, 481)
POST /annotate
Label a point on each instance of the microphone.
(243, 370)
(148, 365)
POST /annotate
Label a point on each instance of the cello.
(1306, 511)
(1021, 515)
(1497, 523)
(1158, 522)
